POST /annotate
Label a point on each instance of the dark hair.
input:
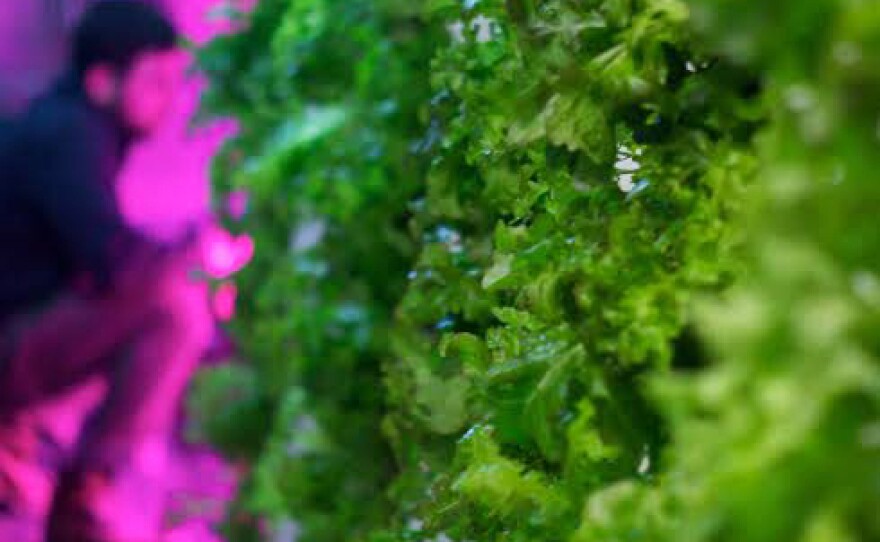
(115, 32)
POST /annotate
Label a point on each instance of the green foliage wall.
(328, 96)
(555, 270)
(549, 288)
(777, 439)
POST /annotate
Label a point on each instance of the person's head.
(125, 55)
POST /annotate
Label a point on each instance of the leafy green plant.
(561, 270)
(777, 439)
(324, 152)
(592, 155)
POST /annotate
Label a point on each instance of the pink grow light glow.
(237, 204)
(224, 254)
(166, 186)
(224, 301)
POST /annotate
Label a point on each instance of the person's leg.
(47, 355)
(61, 345)
(160, 323)
(33, 447)
(148, 385)
(112, 491)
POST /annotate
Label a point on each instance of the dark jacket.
(60, 226)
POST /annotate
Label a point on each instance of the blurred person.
(83, 294)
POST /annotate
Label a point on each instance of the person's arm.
(64, 171)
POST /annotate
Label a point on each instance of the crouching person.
(84, 296)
